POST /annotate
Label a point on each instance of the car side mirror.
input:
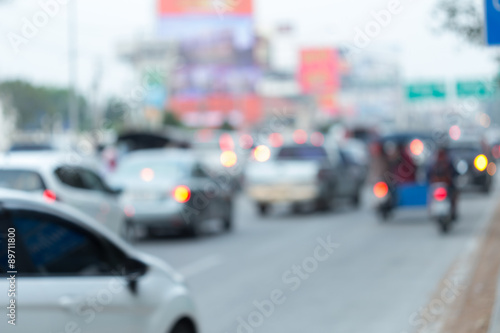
(134, 270)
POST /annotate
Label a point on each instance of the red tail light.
(380, 189)
(440, 194)
(129, 211)
(49, 196)
(182, 194)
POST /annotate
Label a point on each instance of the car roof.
(465, 141)
(41, 160)
(174, 154)
(405, 136)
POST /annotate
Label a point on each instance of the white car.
(70, 274)
(64, 177)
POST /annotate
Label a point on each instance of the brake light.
(276, 140)
(129, 211)
(491, 169)
(417, 147)
(300, 137)
(495, 151)
(455, 132)
(246, 141)
(440, 194)
(380, 189)
(49, 196)
(226, 142)
(182, 194)
(317, 139)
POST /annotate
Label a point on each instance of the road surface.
(341, 271)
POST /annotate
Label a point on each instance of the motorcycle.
(435, 196)
(441, 206)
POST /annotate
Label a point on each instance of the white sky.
(423, 53)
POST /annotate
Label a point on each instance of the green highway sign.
(425, 91)
(478, 89)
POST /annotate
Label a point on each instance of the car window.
(302, 153)
(199, 171)
(70, 176)
(93, 181)
(23, 180)
(158, 168)
(55, 247)
(3, 242)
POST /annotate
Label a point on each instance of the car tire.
(183, 327)
(444, 225)
(356, 199)
(486, 188)
(129, 232)
(263, 209)
(323, 205)
(384, 214)
(227, 221)
(194, 230)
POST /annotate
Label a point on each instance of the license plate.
(145, 196)
(463, 181)
(440, 208)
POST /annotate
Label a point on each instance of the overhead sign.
(478, 89)
(492, 13)
(426, 91)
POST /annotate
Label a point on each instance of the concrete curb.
(495, 315)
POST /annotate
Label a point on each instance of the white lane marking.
(201, 265)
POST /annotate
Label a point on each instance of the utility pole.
(96, 84)
(73, 65)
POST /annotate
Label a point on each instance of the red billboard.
(319, 71)
(204, 7)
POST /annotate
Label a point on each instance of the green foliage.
(463, 18)
(114, 114)
(226, 126)
(36, 105)
(170, 119)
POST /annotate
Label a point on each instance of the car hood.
(162, 266)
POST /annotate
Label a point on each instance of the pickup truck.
(300, 175)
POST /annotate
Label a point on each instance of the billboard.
(216, 51)
(205, 7)
(319, 71)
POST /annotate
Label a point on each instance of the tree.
(114, 114)
(170, 119)
(463, 18)
(226, 126)
(38, 107)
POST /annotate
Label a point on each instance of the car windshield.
(149, 169)
(22, 180)
(302, 153)
(465, 148)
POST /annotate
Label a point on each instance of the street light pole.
(73, 65)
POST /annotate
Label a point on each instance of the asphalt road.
(352, 273)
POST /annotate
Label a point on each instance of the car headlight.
(462, 167)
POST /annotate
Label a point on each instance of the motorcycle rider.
(442, 171)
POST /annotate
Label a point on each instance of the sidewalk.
(495, 318)
(480, 303)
